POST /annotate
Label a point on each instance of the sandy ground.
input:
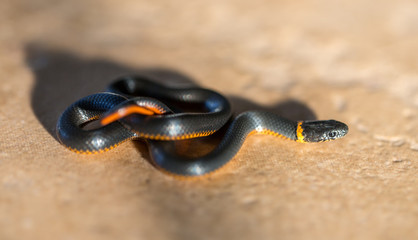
(354, 61)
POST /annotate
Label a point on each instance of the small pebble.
(395, 141)
(408, 113)
(414, 146)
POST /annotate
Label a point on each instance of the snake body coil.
(126, 116)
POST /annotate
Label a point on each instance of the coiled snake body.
(124, 115)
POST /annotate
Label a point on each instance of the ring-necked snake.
(130, 109)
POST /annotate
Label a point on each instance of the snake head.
(320, 131)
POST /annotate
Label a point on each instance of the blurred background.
(344, 42)
(354, 61)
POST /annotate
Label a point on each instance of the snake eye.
(332, 134)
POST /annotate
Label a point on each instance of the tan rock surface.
(354, 61)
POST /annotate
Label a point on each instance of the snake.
(137, 107)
